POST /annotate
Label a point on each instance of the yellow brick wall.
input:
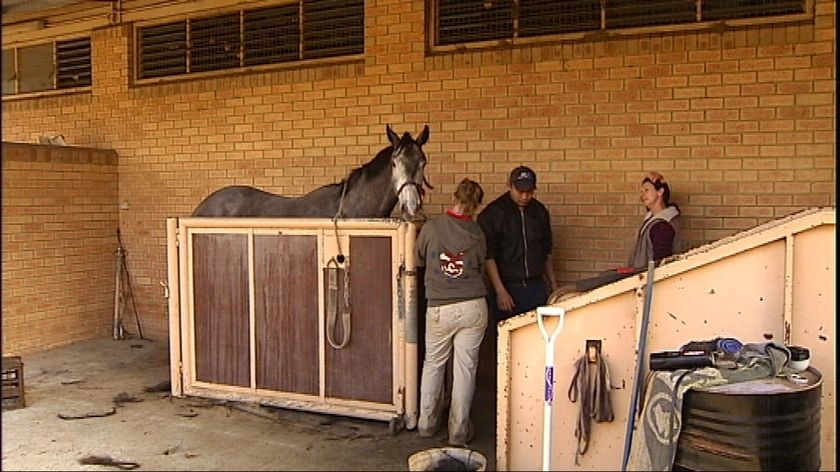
(741, 121)
(59, 236)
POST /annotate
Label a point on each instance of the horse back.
(234, 200)
(243, 200)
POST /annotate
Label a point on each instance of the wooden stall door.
(363, 369)
(222, 340)
(286, 313)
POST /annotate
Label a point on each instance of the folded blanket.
(654, 443)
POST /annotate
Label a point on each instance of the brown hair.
(658, 181)
(469, 194)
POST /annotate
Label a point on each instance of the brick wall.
(741, 121)
(59, 236)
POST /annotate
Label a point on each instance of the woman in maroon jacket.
(658, 237)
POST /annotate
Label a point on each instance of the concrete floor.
(164, 433)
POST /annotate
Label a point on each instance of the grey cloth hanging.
(590, 384)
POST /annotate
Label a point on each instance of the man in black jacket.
(518, 232)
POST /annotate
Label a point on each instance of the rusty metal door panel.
(249, 321)
(286, 313)
(220, 279)
(363, 369)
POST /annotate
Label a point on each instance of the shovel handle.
(543, 311)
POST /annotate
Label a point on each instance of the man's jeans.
(526, 297)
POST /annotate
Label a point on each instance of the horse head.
(408, 162)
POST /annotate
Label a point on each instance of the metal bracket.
(593, 349)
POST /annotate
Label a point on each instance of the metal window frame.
(242, 68)
(54, 88)
(432, 28)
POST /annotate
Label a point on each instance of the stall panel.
(258, 316)
(221, 328)
(286, 312)
(760, 285)
(362, 370)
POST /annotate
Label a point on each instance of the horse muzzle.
(410, 196)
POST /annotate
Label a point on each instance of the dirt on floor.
(96, 401)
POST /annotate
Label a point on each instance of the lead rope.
(332, 301)
(593, 391)
(335, 223)
(332, 305)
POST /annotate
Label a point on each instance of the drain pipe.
(411, 329)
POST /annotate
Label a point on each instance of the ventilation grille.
(291, 32)
(214, 43)
(635, 13)
(73, 63)
(49, 66)
(732, 9)
(272, 35)
(333, 28)
(464, 21)
(539, 17)
(163, 50)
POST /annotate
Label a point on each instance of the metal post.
(637, 381)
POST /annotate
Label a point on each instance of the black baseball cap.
(523, 178)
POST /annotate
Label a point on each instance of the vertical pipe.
(788, 299)
(411, 330)
(398, 322)
(173, 293)
(117, 327)
(252, 312)
(187, 364)
(640, 357)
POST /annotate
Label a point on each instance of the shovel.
(550, 339)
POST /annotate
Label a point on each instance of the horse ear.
(424, 136)
(392, 136)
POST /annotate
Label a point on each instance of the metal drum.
(764, 424)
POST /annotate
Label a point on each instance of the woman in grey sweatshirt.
(453, 249)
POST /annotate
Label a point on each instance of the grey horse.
(395, 175)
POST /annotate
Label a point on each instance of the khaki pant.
(460, 326)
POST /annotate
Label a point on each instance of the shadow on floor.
(159, 432)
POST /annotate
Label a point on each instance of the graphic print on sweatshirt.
(452, 265)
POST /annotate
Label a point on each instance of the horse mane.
(374, 166)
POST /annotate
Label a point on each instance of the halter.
(420, 190)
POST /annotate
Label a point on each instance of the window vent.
(214, 43)
(163, 50)
(272, 35)
(539, 17)
(636, 13)
(307, 29)
(732, 9)
(9, 74)
(464, 21)
(73, 63)
(50, 66)
(333, 28)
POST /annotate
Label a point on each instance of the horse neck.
(370, 197)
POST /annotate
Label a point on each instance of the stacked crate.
(12, 383)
